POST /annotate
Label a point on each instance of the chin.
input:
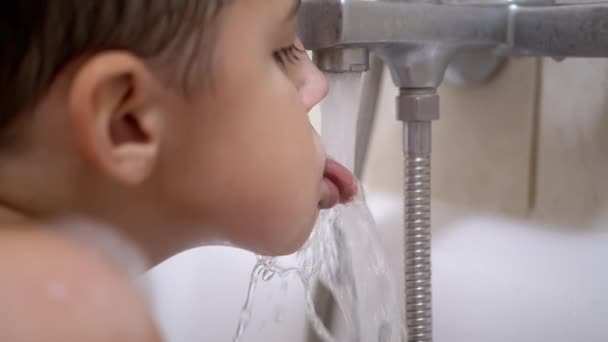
(286, 244)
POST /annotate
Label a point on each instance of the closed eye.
(289, 54)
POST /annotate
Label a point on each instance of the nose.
(312, 84)
(315, 86)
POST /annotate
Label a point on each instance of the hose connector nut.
(418, 105)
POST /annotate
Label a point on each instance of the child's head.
(179, 121)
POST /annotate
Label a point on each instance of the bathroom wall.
(533, 143)
(573, 142)
(520, 203)
(482, 143)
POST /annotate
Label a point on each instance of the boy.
(178, 123)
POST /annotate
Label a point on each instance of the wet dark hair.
(39, 38)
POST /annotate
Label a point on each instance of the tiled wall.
(531, 143)
(572, 184)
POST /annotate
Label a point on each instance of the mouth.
(339, 185)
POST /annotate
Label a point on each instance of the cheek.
(250, 166)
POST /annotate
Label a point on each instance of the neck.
(33, 194)
(139, 225)
(36, 192)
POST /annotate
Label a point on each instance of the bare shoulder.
(54, 290)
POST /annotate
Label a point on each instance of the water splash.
(344, 252)
(345, 255)
(265, 269)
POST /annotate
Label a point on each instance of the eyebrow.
(294, 10)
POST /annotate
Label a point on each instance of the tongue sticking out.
(341, 185)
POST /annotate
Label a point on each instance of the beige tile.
(482, 143)
(572, 181)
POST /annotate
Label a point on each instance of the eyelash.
(287, 54)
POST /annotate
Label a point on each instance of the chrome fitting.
(340, 60)
(418, 105)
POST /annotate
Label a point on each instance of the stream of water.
(344, 252)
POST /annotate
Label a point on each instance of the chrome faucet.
(417, 40)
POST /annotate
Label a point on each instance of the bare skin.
(236, 163)
(59, 291)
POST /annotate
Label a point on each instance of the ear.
(116, 117)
